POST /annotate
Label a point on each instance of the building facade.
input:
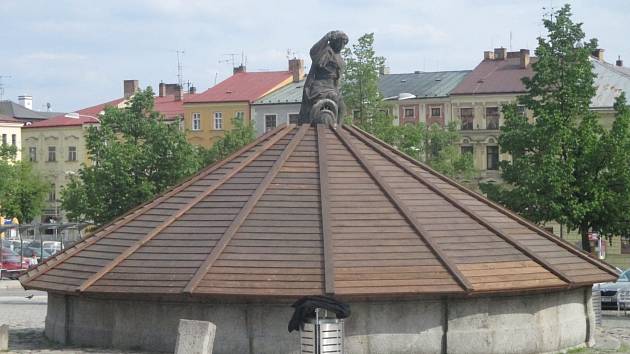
(11, 133)
(208, 115)
(277, 108)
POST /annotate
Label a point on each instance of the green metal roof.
(291, 93)
(421, 84)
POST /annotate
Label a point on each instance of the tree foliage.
(22, 191)
(135, 155)
(241, 134)
(564, 165)
(360, 81)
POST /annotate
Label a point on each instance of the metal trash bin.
(322, 335)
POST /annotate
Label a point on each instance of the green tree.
(561, 163)
(22, 191)
(360, 82)
(135, 155)
(240, 135)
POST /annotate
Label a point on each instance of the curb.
(10, 284)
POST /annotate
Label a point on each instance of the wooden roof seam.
(131, 249)
(440, 255)
(501, 209)
(128, 216)
(466, 210)
(322, 157)
(245, 211)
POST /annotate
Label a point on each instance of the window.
(72, 153)
(4, 139)
(294, 118)
(436, 112)
(356, 114)
(467, 150)
(218, 121)
(410, 113)
(240, 115)
(270, 122)
(52, 154)
(520, 109)
(180, 124)
(625, 245)
(13, 139)
(52, 195)
(492, 153)
(467, 117)
(492, 118)
(32, 153)
(196, 121)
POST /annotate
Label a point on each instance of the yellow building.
(10, 131)
(210, 113)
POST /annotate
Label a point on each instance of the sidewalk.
(6, 284)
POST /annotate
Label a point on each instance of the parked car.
(29, 252)
(52, 247)
(10, 263)
(609, 291)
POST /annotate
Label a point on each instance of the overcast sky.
(76, 53)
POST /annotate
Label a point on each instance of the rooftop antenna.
(2, 85)
(216, 74)
(230, 58)
(291, 54)
(180, 74)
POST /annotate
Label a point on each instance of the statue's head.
(338, 41)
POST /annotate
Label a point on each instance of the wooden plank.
(329, 261)
(139, 210)
(481, 200)
(522, 248)
(242, 215)
(183, 210)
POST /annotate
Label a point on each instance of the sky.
(76, 53)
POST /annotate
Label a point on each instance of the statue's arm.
(319, 47)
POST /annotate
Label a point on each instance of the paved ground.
(25, 315)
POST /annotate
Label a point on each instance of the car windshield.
(625, 276)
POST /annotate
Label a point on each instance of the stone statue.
(321, 99)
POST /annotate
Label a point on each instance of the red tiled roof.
(495, 76)
(167, 105)
(243, 87)
(7, 119)
(64, 121)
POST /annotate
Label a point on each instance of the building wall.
(422, 110)
(207, 135)
(537, 323)
(282, 112)
(60, 171)
(10, 130)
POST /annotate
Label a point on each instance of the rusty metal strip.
(121, 257)
(122, 220)
(329, 262)
(405, 211)
(560, 242)
(466, 210)
(247, 208)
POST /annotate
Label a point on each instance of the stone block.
(195, 337)
(4, 338)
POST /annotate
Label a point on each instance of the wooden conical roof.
(312, 210)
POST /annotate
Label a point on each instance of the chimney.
(499, 53)
(296, 67)
(239, 69)
(26, 101)
(598, 54)
(619, 62)
(488, 55)
(524, 58)
(178, 93)
(192, 90)
(162, 89)
(170, 89)
(130, 87)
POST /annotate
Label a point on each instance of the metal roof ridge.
(227, 236)
(134, 247)
(124, 219)
(404, 210)
(560, 242)
(466, 210)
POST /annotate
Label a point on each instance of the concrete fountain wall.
(533, 323)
